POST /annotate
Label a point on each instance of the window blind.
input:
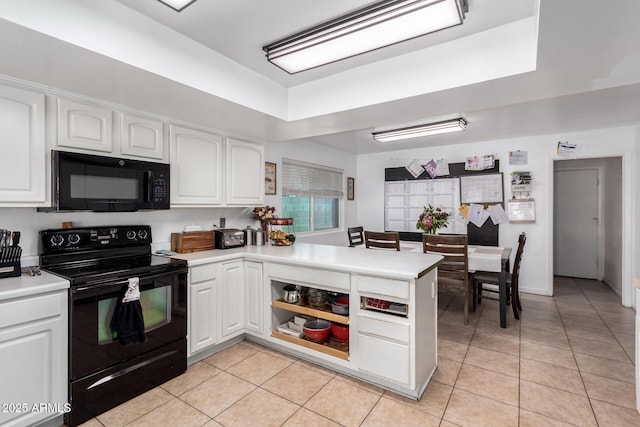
(311, 180)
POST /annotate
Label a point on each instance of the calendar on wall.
(405, 200)
(485, 188)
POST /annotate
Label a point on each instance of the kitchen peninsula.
(237, 293)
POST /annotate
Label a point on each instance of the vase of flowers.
(431, 219)
(264, 214)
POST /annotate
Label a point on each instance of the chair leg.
(473, 294)
(514, 305)
(518, 301)
(466, 306)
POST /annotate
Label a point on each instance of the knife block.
(10, 261)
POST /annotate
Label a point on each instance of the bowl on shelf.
(317, 298)
(340, 332)
(340, 305)
(317, 330)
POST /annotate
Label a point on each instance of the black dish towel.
(129, 323)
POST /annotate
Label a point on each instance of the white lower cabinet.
(203, 289)
(33, 358)
(231, 300)
(384, 358)
(253, 297)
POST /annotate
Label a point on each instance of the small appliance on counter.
(227, 238)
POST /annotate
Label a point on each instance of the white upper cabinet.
(84, 126)
(22, 148)
(245, 173)
(141, 137)
(196, 167)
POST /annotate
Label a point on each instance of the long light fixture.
(455, 125)
(378, 25)
(177, 5)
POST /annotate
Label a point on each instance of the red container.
(340, 332)
(316, 330)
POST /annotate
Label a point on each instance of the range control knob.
(57, 240)
(142, 234)
(73, 239)
(131, 235)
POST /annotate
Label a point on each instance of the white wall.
(536, 271)
(312, 152)
(613, 223)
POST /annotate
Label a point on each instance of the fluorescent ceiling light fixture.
(455, 125)
(378, 25)
(177, 4)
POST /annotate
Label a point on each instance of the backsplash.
(29, 222)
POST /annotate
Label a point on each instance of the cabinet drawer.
(200, 273)
(17, 311)
(385, 287)
(397, 331)
(310, 276)
(384, 358)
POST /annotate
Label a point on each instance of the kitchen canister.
(249, 236)
(260, 237)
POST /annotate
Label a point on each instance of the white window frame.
(336, 192)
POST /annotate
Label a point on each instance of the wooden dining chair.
(356, 236)
(453, 273)
(384, 240)
(481, 278)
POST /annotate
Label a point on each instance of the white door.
(575, 230)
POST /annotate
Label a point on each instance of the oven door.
(95, 346)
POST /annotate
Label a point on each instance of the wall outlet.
(223, 222)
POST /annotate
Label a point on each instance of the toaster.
(229, 238)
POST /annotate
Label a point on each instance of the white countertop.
(25, 285)
(400, 265)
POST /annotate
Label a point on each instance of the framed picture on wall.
(269, 178)
(351, 184)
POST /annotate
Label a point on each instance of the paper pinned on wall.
(567, 150)
(463, 210)
(430, 168)
(497, 214)
(442, 167)
(518, 157)
(415, 169)
(459, 218)
(477, 214)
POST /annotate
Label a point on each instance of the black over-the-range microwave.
(107, 184)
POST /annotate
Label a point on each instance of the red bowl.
(316, 330)
(340, 332)
(342, 301)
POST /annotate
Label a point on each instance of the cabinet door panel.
(22, 147)
(245, 173)
(84, 126)
(196, 167)
(232, 298)
(383, 358)
(202, 308)
(141, 137)
(253, 296)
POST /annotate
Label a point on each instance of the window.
(311, 195)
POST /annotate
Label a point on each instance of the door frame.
(600, 228)
(628, 288)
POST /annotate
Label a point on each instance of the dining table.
(493, 259)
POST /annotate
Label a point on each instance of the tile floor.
(568, 361)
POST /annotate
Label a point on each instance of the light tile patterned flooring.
(568, 361)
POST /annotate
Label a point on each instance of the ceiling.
(582, 72)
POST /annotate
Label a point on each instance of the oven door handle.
(118, 284)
